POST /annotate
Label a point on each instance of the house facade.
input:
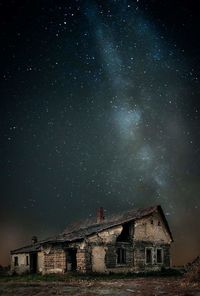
(135, 241)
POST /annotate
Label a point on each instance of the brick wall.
(83, 258)
(54, 259)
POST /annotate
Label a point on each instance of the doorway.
(71, 263)
(33, 262)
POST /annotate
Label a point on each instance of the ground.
(154, 286)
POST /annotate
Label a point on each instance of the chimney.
(34, 240)
(100, 215)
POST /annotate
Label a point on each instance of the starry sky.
(99, 106)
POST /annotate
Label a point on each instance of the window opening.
(159, 256)
(149, 256)
(27, 260)
(16, 263)
(121, 256)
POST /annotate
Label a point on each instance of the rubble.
(193, 271)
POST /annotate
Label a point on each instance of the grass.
(87, 277)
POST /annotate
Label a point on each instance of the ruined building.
(138, 240)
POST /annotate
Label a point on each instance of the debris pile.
(193, 271)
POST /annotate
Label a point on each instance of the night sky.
(99, 106)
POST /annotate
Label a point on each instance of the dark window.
(152, 222)
(16, 263)
(158, 223)
(27, 260)
(121, 256)
(148, 255)
(159, 256)
(125, 235)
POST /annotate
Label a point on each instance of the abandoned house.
(134, 241)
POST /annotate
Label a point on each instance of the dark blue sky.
(99, 107)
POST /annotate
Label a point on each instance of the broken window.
(16, 263)
(159, 255)
(125, 235)
(148, 256)
(121, 256)
(27, 260)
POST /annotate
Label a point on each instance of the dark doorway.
(71, 259)
(33, 262)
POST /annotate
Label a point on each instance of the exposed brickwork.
(54, 259)
(83, 257)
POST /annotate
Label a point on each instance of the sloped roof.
(122, 218)
(85, 231)
(28, 249)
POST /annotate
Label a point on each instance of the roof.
(122, 218)
(28, 249)
(85, 231)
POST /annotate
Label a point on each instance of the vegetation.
(92, 276)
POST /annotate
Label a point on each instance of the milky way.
(99, 107)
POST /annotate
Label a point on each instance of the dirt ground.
(122, 287)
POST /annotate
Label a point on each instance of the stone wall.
(151, 228)
(140, 263)
(83, 258)
(111, 258)
(54, 259)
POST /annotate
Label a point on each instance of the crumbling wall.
(99, 247)
(151, 228)
(22, 266)
(111, 258)
(40, 262)
(107, 236)
(104, 246)
(140, 263)
(54, 259)
(98, 259)
(84, 260)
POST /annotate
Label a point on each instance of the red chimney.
(100, 215)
